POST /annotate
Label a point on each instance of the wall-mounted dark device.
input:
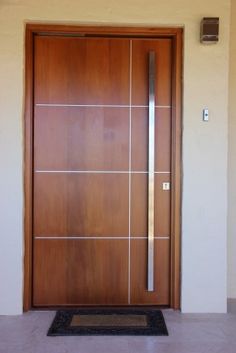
(209, 30)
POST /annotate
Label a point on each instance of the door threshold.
(108, 307)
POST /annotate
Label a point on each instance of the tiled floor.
(214, 333)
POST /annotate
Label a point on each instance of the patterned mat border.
(61, 323)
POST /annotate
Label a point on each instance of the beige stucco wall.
(204, 144)
(232, 161)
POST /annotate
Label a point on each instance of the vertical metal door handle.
(151, 166)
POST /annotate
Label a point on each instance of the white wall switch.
(205, 115)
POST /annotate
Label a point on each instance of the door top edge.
(100, 31)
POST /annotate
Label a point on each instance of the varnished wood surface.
(122, 31)
(81, 70)
(28, 167)
(80, 272)
(176, 179)
(140, 52)
(81, 204)
(72, 138)
(175, 34)
(140, 139)
(139, 293)
(139, 214)
(64, 205)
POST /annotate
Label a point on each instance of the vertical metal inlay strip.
(130, 142)
(151, 173)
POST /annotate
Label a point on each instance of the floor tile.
(187, 334)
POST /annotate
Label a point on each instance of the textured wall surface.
(232, 160)
(205, 84)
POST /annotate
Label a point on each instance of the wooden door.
(90, 215)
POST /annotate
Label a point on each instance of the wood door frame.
(176, 34)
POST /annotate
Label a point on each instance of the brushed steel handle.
(151, 167)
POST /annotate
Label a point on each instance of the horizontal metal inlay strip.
(98, 105)
(98, 171)
(99, 238)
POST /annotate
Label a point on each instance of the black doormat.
(84, 322)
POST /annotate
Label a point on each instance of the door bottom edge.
(39, 307)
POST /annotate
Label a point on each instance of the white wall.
(204, 144)
(232, 161)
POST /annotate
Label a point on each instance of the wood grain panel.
(139, 149)
(81, 70)
(28, 167)
(139, 211)
(140, 51)
(81, 204)
(139, 293)
(81, 138)
(75, 272)
(66, 90)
